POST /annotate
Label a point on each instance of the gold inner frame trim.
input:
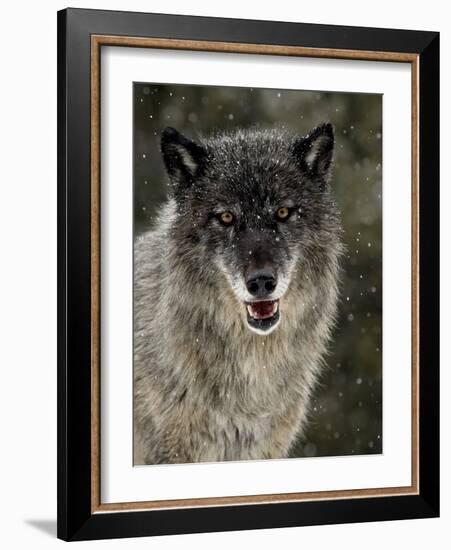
(97, 41)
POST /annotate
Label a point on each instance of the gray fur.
(206, 387)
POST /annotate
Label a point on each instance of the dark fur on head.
(211, 290)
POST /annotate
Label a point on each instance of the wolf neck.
(206, 326)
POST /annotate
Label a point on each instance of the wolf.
(235, 295)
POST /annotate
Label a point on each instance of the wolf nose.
(261, 283)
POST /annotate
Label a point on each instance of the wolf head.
(258, 206)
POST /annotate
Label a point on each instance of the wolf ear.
(184, 159)
(315, 151)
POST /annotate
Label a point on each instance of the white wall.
(28, 270)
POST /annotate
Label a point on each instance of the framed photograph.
(248, 274)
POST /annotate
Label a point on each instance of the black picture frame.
(76, 520)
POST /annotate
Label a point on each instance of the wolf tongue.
(262, 310)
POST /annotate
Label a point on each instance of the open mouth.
(263, 316)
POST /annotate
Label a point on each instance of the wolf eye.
(226, 218)
(282, 213)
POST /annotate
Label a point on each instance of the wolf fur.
(207, 387)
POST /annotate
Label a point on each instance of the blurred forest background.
(346, 414)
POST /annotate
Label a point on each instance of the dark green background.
(346, 414)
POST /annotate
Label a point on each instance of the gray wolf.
(235, 296)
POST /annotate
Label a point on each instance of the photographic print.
(248, 305)
(257, 291)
